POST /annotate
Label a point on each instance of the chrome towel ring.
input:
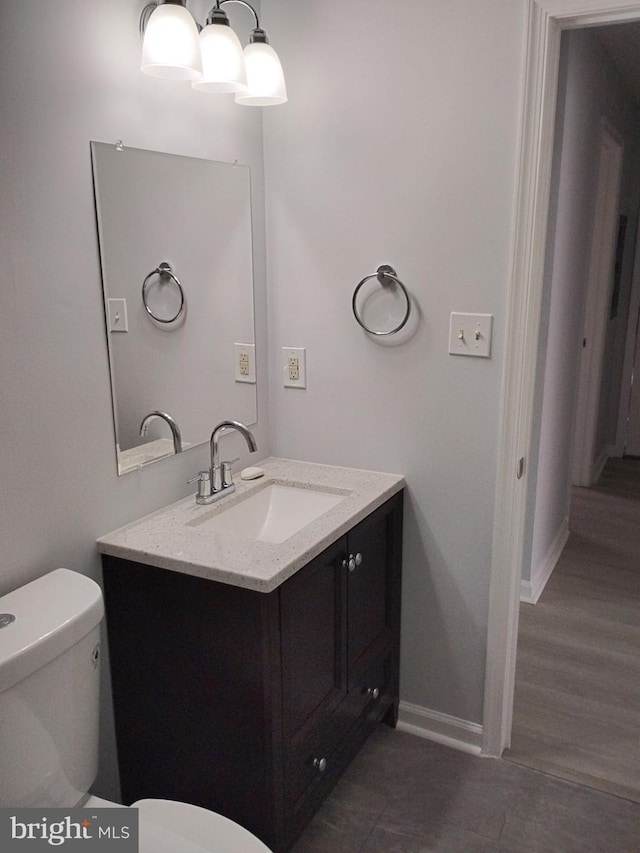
(164, 270)
(387, 277)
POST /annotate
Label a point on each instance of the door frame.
(546, 21)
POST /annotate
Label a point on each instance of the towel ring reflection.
(163, 270)
(386, 275)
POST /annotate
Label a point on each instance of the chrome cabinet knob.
(352, 562)
(320, 764)
(373, 692)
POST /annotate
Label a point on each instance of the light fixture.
(222, 59)
(217, 62)
(170, 46)
(265, 78)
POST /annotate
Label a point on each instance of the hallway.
(577, 698)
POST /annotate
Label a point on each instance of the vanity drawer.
(309, 754)
(372, 692)
(309, 758)
(310, 761)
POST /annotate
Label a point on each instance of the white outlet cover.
(300, 354)
(470, 334)
(248, 350)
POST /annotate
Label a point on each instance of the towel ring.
(163, 270)
(386, 275)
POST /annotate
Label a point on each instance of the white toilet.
(49, 706)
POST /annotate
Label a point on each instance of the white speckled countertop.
(168, 538)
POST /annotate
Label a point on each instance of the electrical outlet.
(294, 367)
(244, 362)
(293, 370)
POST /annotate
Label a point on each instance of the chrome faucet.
(173, 426)
(217, 482)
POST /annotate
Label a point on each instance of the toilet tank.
(49, 690)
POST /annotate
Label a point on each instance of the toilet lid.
(167, 826)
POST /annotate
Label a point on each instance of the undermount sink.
(271, 514)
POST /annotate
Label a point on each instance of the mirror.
(177, 274)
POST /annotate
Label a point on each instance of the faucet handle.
(227, 476)
(204, 484)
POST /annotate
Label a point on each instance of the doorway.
(548, 19)
(576, 663)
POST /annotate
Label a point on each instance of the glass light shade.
(171, 47)
(265, 79)
(222, 60)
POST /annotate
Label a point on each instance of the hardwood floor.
(403, 794)
(577, 702)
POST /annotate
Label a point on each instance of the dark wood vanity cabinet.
(252, 704)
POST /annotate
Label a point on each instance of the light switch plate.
(244, 356)
(470, 334)
(117, 309)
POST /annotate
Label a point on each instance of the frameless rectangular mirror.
(177, 274)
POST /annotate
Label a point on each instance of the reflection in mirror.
(177, 273)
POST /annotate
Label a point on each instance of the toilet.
(49, 707)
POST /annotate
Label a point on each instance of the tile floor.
(403, 794)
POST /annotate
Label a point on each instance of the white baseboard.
(531, 590)
(441, 728)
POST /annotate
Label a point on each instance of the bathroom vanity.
(247, 683)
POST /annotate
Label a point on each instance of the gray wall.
(69, 73)
(399, 146)
(590, 90)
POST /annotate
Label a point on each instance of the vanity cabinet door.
(311, 625)
(373, 589)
